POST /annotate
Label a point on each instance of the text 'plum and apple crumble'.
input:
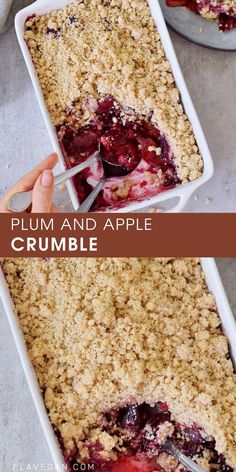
(128, 352)
(106, 81)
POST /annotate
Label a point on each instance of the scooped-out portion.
(133, 142)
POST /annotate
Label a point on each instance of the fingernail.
(47, 178)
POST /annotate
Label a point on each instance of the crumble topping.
(103, 333)
(96, 48)
(211, 9)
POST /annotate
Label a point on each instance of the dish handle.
(183, 198)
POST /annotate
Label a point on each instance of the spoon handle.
(189, 464)
(21, 201)
(59, 179)
(86, 205)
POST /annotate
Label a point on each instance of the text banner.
(92, 235)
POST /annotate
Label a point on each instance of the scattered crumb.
(62, 186)
(155, 210)
(208, 200)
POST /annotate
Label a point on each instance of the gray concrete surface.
(210, 76)
(22, 443)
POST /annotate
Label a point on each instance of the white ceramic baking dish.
(228, 322)
(182, 192)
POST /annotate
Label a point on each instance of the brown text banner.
(90, 235)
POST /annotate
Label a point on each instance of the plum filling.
(53, 32)
(125, 139)
(227, 21)
(143, 430)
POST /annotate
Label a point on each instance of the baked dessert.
(128, 352)
(106, 79)
(223, 11)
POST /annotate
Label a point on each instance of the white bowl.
(183, 192)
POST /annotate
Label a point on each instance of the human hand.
(41, 181)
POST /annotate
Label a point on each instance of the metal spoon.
(21, 201)
(170, 448)
(109, 170)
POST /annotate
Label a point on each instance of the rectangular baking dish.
(181, 193)
(228, 323)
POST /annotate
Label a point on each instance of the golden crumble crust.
(110, 48)
(103, 332)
